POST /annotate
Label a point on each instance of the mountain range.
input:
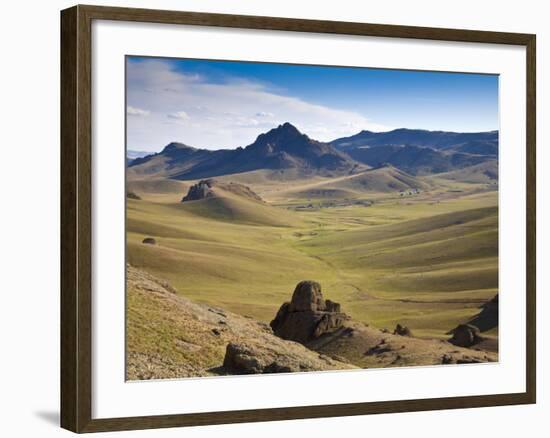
(420, 152)
(483, 143)
(285, 147)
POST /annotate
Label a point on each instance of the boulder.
(251, 358)
(402, 330)
(149, 241)
(242, 359)
(307, 316)
(465, 335)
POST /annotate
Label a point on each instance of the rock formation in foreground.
(466, 335)
(169, 336)
(307, 316)
(321, 326)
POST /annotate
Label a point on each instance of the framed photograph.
(270, 218)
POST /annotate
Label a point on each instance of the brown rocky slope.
(168, 336)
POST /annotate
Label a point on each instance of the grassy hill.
(382, 180)
(235, 209)
(481, 173)
(426, 260)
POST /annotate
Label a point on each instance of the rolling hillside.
(383, 179)
(386, 179)
(233, 202)
(486, 172)
(392, 246)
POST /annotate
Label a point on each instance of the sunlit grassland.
(427, 261)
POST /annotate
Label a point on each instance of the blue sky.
(221, 104)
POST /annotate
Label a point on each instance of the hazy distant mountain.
(418, 151)
(440, 140)
(416, 159)
(132, 155)
(283, 147)
(411, 150)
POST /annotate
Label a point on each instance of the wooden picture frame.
(76, 217)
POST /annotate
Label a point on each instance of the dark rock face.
(488, 317)
(402, 330)
(465, 335)
(307, 296)
(201, 190)
(149, 241)
(308, 315)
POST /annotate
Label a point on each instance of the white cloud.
(179, 115)
(216, 115)
(133, 111)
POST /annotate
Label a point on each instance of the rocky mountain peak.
(281, 135)
(177, 146)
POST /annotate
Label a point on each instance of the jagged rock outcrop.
(321, 326)
(307, 316)
(466, 335)
(209, 188)
(201, 190)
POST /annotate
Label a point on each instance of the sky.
(226, 104)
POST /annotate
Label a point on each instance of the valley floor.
(427, 258)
